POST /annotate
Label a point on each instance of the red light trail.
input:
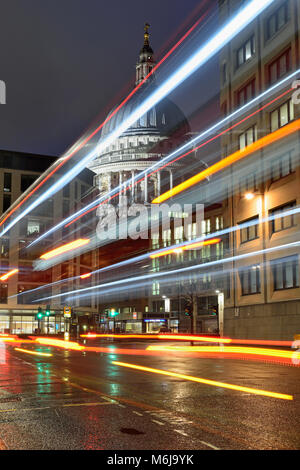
(87, 139)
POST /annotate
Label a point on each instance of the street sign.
(67, 312)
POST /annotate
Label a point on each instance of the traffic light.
(47, 312)
(40, 314)
(113, 312)
(188, 310)
(215, 310)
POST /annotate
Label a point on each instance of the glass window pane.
(284, 117)
(278, 277)
(289, 274)
(274, 121)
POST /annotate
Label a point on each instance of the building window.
(205, 226)
(277, 20)
(285, 273)
(246, 93)
(280, 222)
(282, 166)
(166, 237)
(33, 227)
(4, 247)
(224, 73)
(248, 137)
(155, 288)
(6, 201)
(219, 222)
(7, 183)
(26, 181)
(282, 115)
(3, 293)
(249, 231)
(250, 280)
(246, 51)
(248, 183)
(280, 66)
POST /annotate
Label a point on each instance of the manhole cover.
(131, 431)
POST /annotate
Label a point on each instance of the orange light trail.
(164, 336)
(4, 277)
(184, 155)
(59, 343)
(228, 350)
(65, 248)
(206, 381)
(87, 139)
(190, 246)
(233, 158)
(35, 353)
(84, 276)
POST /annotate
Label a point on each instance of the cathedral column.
(171, 179)
(120, 185)
(109, 181)
(132, 185)
(146, 188)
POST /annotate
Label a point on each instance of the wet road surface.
(81, 400)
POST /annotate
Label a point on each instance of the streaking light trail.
(209, 339)
(169, 159)
(176, 271)
(190, 246)
(198, 59)
(34, 353)
(59, 343)
(65, 158)
(239, 388)
(227, 350)
(9, 274)
(233, 158)
(65, 248)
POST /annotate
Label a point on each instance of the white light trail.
(168, 157)
(147, 255)
(180, 270)
(213, 46)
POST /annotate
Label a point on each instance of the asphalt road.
(81, 400)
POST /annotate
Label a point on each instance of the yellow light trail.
(227, 349)
(64, 248)
(255, 391)
(59, 343)
(35, 353)
(190, 246)
(174, 337)
(234, 157)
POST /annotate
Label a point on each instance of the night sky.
(67, 62)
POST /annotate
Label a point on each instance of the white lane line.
(210, 445)
(121, 406)
(157, 422)
(181, 432)
(137, 413)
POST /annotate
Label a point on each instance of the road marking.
(181, 432)
(210, 445)
(121, 406)
(87, 404)
(56, 406)
(137, 413)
